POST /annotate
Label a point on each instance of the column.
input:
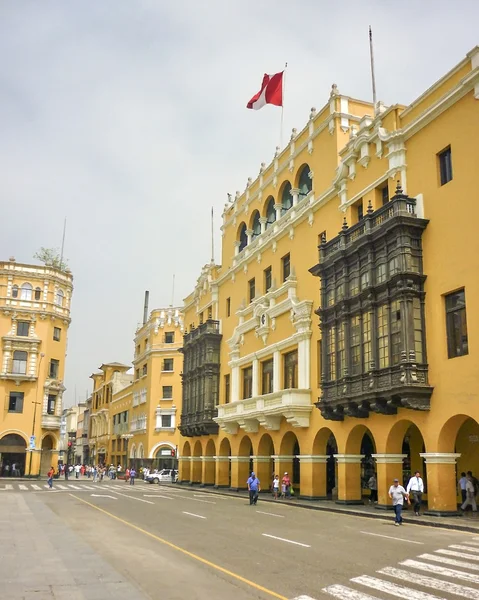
(184, 469)
(255, 378)
(222, 471)
(263, 467)
(195, 470)
(239, 472)
(249, 235)
(235, 384)
(441, 483)
(313, 476)
(263, 221)
(283, 464)
(304, 364)
(295, 194)
(388, 468)
(207, 470)
(237, 248)
(278, 208)
(276, 371)
(349, 478)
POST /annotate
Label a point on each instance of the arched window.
(243, 238)
(15, 291)
(256, 225)
(26, 291)
(305, 184)
(270, 213)
(286, 198)
(38, 293)
(19, 362)
(59, 297)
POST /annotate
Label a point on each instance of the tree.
(51, 258)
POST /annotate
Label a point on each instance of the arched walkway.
(223, 464)
(196, 463)
(323, 467)
(12, 452)
(208, 475)
(242, 464)
(356, 465)
(288, 460)
(264, 466)
(185, 463)
(47, 455)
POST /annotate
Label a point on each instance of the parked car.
(163, 475)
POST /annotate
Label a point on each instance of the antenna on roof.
(373, 77)
(63, 241)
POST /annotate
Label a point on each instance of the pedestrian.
(416, 486)
(286, 486)
(127, 474)
(397, 493)
(253, 488)
(50, 475)
(66, 472)
(95, 473)
(77, 471)
(132, 476)
(475, 483)
(470, 494)
(373, 486)
(462, 486)
(275, 487)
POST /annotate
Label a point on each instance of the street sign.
(32, 442)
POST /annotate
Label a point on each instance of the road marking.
(341, 591)
(391, 537)
(196, 500)
(285, 540)
(46, 486)
(133, 498)
(200, 559)
(261, 512)
(393, 589)
(303, 597)
(62, 487)
(460, 547)
(193, 515)
(22, 487)
(73, 487)
(449, 561)
(157, 496)
(103, 496)
(89, 487)
(36, 487)
(432, 582)
(415, 564)
(8, 486)
(458, 554)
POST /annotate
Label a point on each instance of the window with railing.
(19, 365)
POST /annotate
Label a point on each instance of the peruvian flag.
(271, 92)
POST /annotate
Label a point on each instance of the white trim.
(349, 458)
(389, 459)
(313, 458)
(157, 446)
(440, 458)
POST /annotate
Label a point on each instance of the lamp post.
(35, 404)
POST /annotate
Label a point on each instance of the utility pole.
(35, 404)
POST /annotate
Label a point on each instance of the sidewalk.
(460, 523)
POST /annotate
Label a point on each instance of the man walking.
(50, 475)
(416, 486)
(253, 489)
(397, 493)
(470, 494)
(132, 476)
(462, 486)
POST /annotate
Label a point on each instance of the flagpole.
(282, 107)
(212, 239)
(373, 77)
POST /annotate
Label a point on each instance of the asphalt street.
(174, 542)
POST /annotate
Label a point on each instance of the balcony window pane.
(290, 370)
(248, 382)
(366, 341)
(267, 377)
(331, 353)
(341, 360)
(457, 342)
(355, 341)
(418, 341)
(383, 336)
(19, 362)
(395, 332)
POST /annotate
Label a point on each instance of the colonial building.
(344, 311)
(34, 320)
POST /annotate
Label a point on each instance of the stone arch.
(186, 449)
(254, 224)
(290, 451)
(266, 445)
(210, 448)
(223, 464)
(224, 448)
(355, 439)
(406, 438)
(448, 433)
(141, 451)
(133, 451)
(156, 447)
(208, 476)
(325, 444)
(265, 463)
(13, 449)
(241, 236)
(47, 458)
(196, 466)
(460, 434)
(285, 196)
(269, 211)
(185, 463)
(245, 447)
(303, 181)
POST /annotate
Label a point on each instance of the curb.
(344, 511)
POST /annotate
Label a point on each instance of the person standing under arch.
(416, 486)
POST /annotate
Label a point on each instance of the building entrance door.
(12, 455)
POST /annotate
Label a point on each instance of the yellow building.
(34, 320)
(337, 339)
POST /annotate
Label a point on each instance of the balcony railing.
(120, 428)
(50, 421)
(208, 327)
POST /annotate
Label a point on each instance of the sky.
(128, 118)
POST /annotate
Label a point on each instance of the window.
(319, 358)
(286, 199)
(354, 285)
(286, 265)
(445, 165)
(38, 293)
(456, 324)
(417, 316)
(367, 342)
(243, 238)
(395, 333)
(137, 373)
(22, 328)
(383, 336)
(341, 355)
(144, 371)
(54, 367)
(59, 297)
(394, 265)
(15, 402)
(267, 279)
(305, 184)
(168, 364)
(331, 354)
(256, 226)
(169, 337)
(15, 291)
(20, 362)
(227, 389)
(355, 342)
(364, 280)
(359, 211)
(251, 289)
(167, 392)
(57, 333)
(52, 399)
(270, 212)
(228, 307)
(248, 382)
(290, 364)
(385, 194)
(267, 376)
(26, 291)
(166, 421)
(380, 273)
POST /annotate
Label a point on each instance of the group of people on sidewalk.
(254, 487)
(398, 494)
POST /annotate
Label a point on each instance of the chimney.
(145, 307)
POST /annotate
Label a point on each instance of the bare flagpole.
(212, 239)
(373, 77)
(63, 242)
(282, 106)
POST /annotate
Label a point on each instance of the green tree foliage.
(50, 257)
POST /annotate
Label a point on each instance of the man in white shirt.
(416, 486)
(397, 493)
(470, 494)
(462, 486)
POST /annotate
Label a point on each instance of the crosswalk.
(64, 486)
(439, 573)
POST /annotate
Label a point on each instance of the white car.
(163, 475)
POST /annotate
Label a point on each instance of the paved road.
(174, 542)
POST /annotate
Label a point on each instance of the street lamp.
(35, 404)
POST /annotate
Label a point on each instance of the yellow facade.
(34, 320)
(354, 170)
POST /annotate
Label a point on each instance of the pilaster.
(441, 483)
(349, 478)
(313, 476)
(388, 468)
(239, 472)
(222, 471)
(207, 470)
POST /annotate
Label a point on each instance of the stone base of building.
(312, 498)
(383, 506)
(350, 502)
(223, 487)
(443, 513)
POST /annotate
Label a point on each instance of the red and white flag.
(271, 92)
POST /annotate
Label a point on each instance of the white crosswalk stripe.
(36, 487)
(60, 486)
(458, 554)
(463, 547)
(345, 593)
(392, 588)
(73, 487)
(449, 561)
(438, 570)
(22, 487)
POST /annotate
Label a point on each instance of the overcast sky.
(128, 118)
